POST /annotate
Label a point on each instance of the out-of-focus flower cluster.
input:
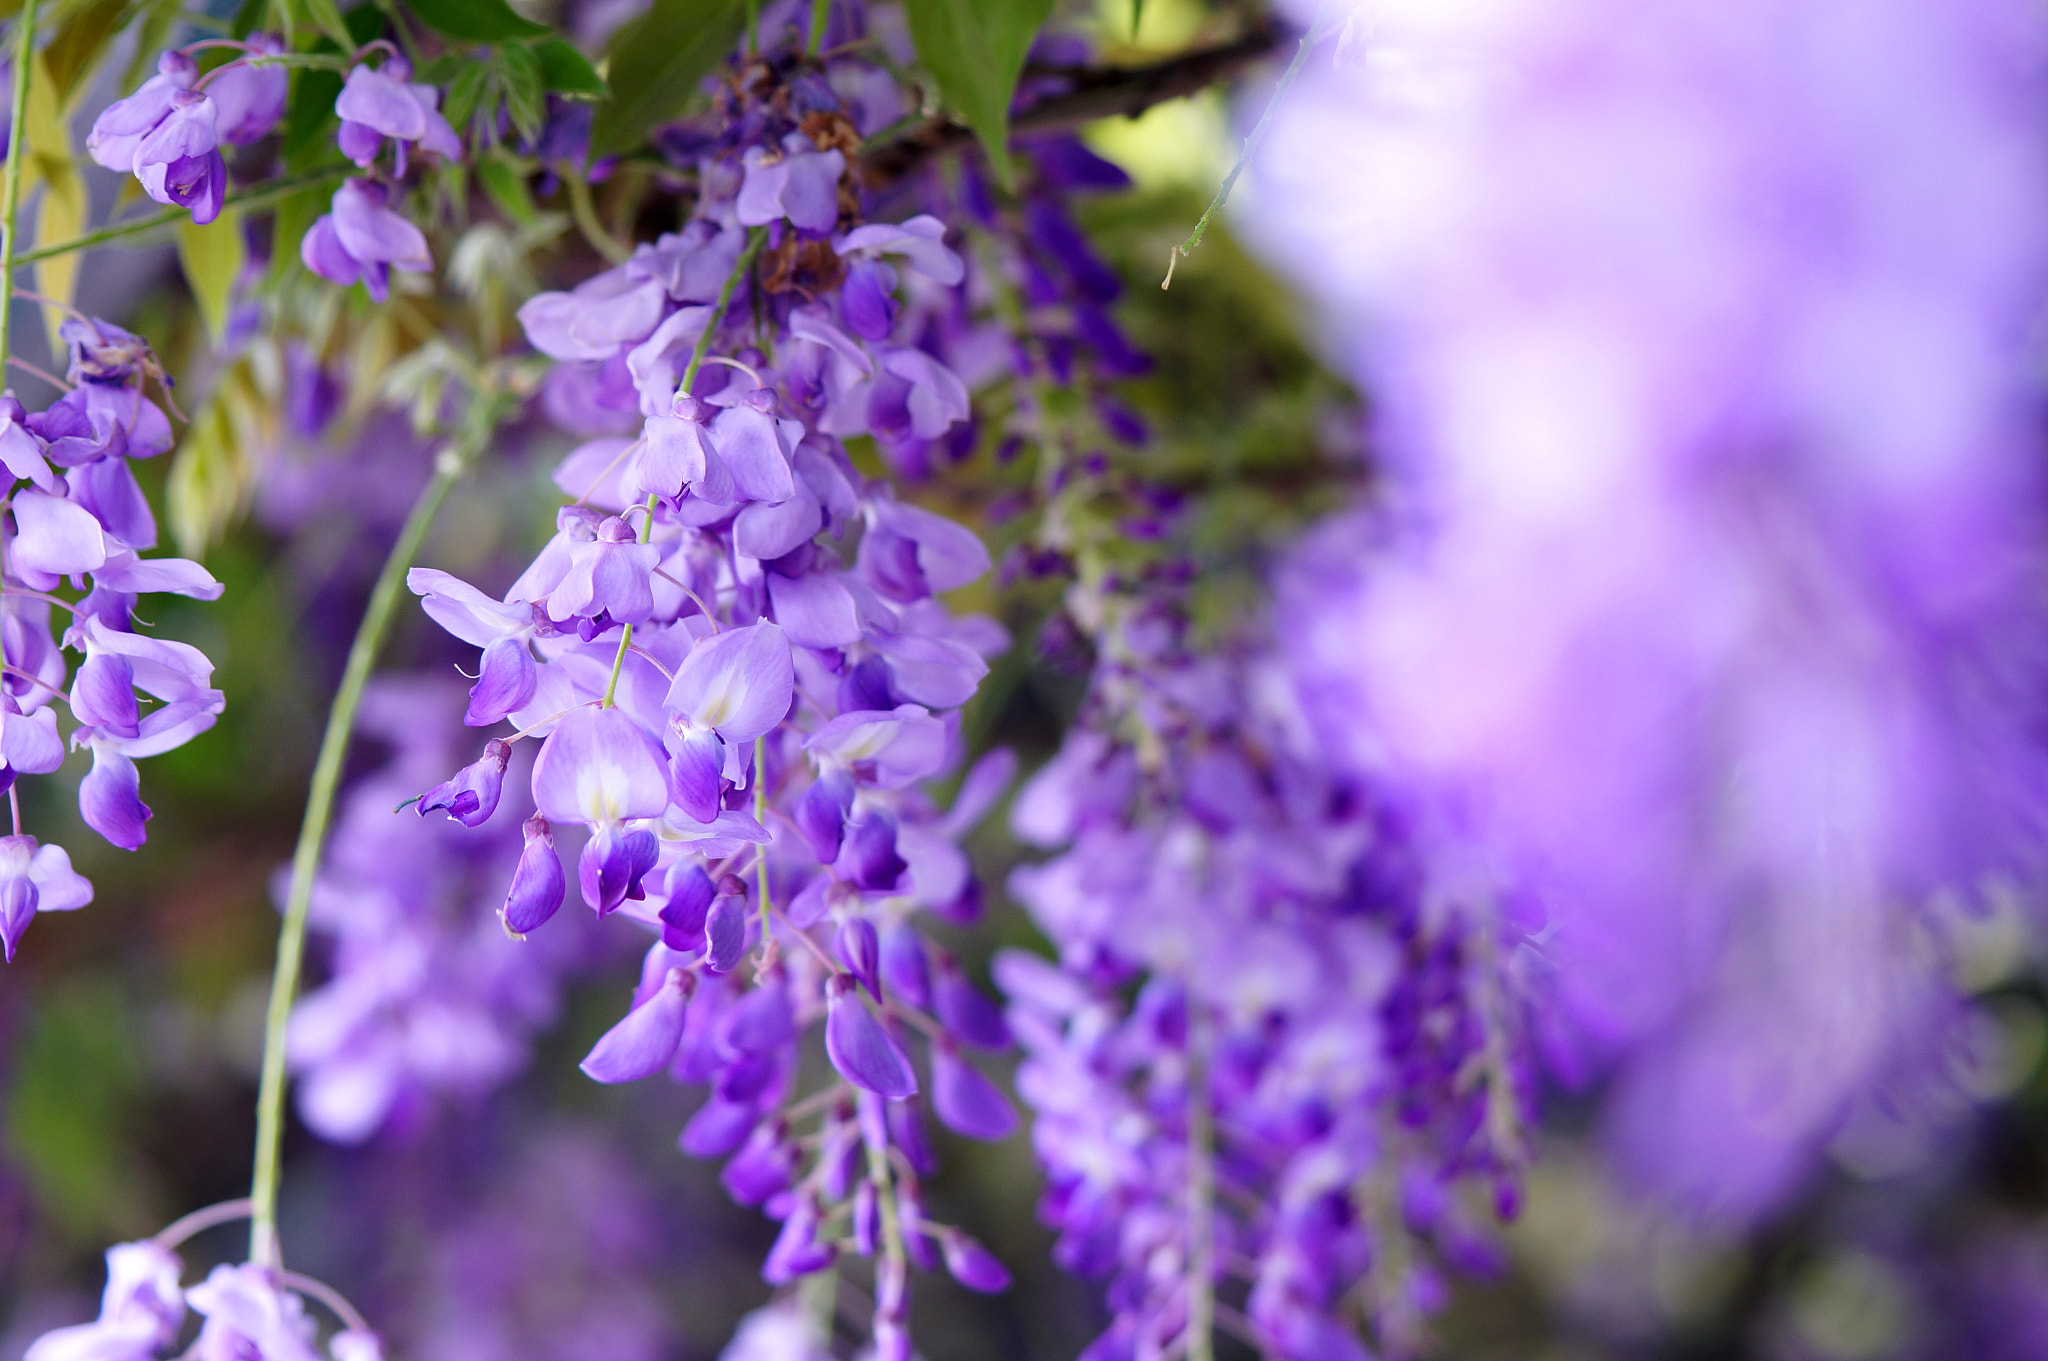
(1272, 1053)
(77, 516)
(424, 994)
(1707, 584)
(247, 1311)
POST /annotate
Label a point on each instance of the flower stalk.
(10, 194)
(486, 412)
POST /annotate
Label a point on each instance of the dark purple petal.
(904, 965)
(725, 928)
(103, 694)
(861, 1050)
(717, 1128)
(821, 813)
(471, 795)
(612, 865)
(966, 1010)
(869, 859)
(860, 950)
(689, 903)
(907, 1133)
(965, 1101)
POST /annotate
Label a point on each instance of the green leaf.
(249, 17)
(466, 94)
(321, 15)
(160, 18)
(568, 72)
(519, 76)
(80, 40)
(975, 49)
(213, 257)
(1137, 17)
(476, 21)
(656, 63)
(74, 1084)
(506, 184)
(309, 114)
(215, 464)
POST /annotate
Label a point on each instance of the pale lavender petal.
(644, 1042)
(861, 1050)
(740, 682)
(55, 536)
(599, 766)
(815, 610)
(109, 799)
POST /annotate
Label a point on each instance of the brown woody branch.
(1090, 92)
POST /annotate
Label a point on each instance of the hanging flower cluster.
(734, 650)
(1269, 1053)
(247, 1311)
(77, 515)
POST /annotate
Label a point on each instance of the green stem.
(258, 196)
(821, 13)
(732, 283)
(341, 721)
(1201, 1325)
(1316, 32)
(585, 214)
(10, 195)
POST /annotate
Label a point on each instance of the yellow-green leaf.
(61, 213)
(216, 462)
(213, 256)
(81, 38)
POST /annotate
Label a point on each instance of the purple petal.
(539, 884)
(904, 966)
(109, 799)
(28, 742)
(717, 1128)
(815, 610)
(750, 444)
(505, 681)
(740, 682)
(644, 1042)
(921, 240)
(470, 796)
(371, 232)
(56, 536)
(769, 531)
(861, 951)
(861, 1050)
(821, 814)
(690, 893)
(321, 251)
(725, 931)
(103, 694)
(599, 766)
(971, 1264)
(376, 100)
(695, 766)
(967, 1102)
(612, 866)
(965, 1010)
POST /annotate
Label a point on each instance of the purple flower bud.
(869, 859)
(613, 576)
(971, 1264)
(110, 801)
(644, 1042)
(718, 1127)
(867, 1219)
(797, 1251)
(689, 902)
(612, 865)
(505, 681)
(860, 950)
(763, 1167)
(905, 1123)
(179, 161)
(471, 795)
(860, 1049)
(903, 965)
(725, 927)
(917, 1244)
(966, 1010)
(967, 1102)
(696, 766)
(821, 813)
(538, 885)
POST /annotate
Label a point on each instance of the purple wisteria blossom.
(1261, 1025)
(1701, 338)
(78, 518)
(246, 1314)
(362, 239)
(734, 653)
(384, 103)
(169, 133)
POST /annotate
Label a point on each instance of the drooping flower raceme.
(169, 133)
(77, 516)
(1702, 340)
(734, 652)
(1269, 1055)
